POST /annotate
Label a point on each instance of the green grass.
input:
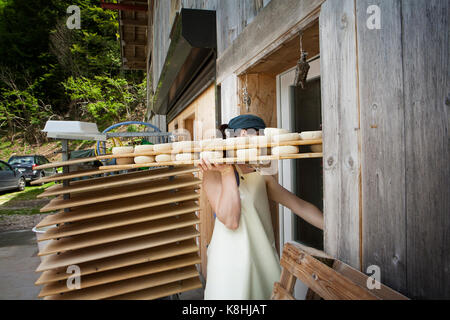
(25, 211)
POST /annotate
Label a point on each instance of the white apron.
(243, 264)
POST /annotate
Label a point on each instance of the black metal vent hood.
(193, 43)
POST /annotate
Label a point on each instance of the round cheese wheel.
(269, 132)
(247, 153)
(163, 158)
(316, 148)
(231, 153)
(236, 141)
(122, 150)
(311, 135)
(186, 156)
(212, 143)
(163, 147)
(183, 146)
(284, 150)
(211, 155)
(144, 159)
(260, 141)
(122, 161)
(143, 148)
(286, 137)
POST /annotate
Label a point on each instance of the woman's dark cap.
(246, 121)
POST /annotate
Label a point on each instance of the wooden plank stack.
(132, 235)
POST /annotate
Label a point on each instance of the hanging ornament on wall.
(245, 96)
(301, 72)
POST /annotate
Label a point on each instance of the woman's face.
(248, 132)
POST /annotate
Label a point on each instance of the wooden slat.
(116, 180)
(341, 163)
(162, 291)
(134, 22)
(121, 233)
(65, 163)
(322, 279)
(120, 274)
(118, 220)
(119, 206)
(383, 133)
(127, 286)
(222, 160)
(113, 249)
(280, 293)
(72, 175)
(384, 293)
(119, 193)
(128, 259)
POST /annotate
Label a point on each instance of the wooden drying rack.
(264, 159)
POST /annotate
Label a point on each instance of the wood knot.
(330, 161)
(315, 277)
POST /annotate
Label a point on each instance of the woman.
(243, 262)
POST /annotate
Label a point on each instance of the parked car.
(11, 178)
(27, 166)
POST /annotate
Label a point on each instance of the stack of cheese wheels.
(165, 150)
(235, 142)
(140, 159)
(259, 141)
(123, 150)
(284, 137)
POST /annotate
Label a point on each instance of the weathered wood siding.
(397, 90)
(340, 131)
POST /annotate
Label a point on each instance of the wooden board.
(383, 132)
(263, 159)
(121, 233)
(129, 285)
(72, 175)
(340, 113)
(120, 193)
(124, 260)
(120, 274)
(119, 206)
(65, 163)
(116, 180)
(118, 220)
(162, 291)
(113, 249)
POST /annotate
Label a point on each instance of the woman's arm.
(303, 209)
(219, 183)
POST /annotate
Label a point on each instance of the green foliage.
(50, 71)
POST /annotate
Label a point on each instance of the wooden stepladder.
(326, 278)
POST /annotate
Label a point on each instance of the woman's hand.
(205, 166)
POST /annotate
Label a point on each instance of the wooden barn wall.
(386, 144)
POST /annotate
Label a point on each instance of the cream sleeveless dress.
(243, 264)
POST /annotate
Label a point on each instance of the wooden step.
(120, 274)
(119, 206)
(129, 285)
(120, 193)
(162, 291)
(121, 233)
(124, 260)
(117, 220)
(116, 180)
(113, 249)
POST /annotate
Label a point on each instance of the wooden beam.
(135, 23)
(322, 279)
